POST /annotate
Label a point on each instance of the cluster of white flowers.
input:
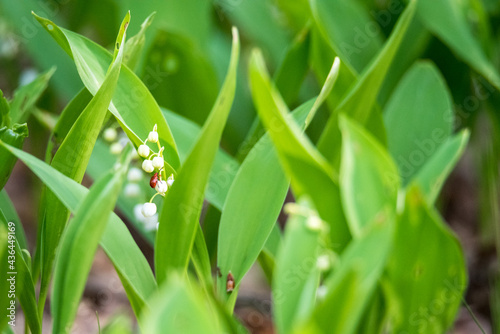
(117, 142)
(154, 162)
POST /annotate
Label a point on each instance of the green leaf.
(175, 65)
(352, 33)
(268, 33)
(79, 244)
(369, 178)
(224, 167)
(249, 212)
(25, 97)
(133, 105)
(131, 265)
(421, 285)
(10, 213)
(453, 29)
(360, 102)
(72, 162)
(310, 173)
(5, 118)
(354, 280)
(296, 263)
(25, 288)
(14, 137)
(433, 174)
(293, 68)
(135, 45)
(418, 118)
(180, 308)
(182, 204)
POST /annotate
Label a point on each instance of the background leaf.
(79, 244)
(418, 117)
(417, 280)
(182, 205)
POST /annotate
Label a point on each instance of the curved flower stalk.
(154, 163)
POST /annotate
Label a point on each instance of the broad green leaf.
(25, 288)
(133, 105)
(321, 56)
(295, 264)
(224, 167)
(418, 118)
(352, 33)
(310, 173)
(119, 325)
(297, 13)
(135, 45)
(293, 68)
(6, 118)
(360, 102)
(249, 212)
(256, 18)
(201, 261)
(79, 244)
(176, 69)
(419, 283)
(454, 30)
(252, 206)
(369, 178)
(25, 97)
(68, 117)
(72, 158)
(131, 265)
(10, 213)
(13, 136)
(179, 307)
(354, 280)
(433, 174)
(183, 202)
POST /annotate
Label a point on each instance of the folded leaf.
(183, 202)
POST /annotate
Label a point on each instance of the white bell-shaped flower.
(158, 162)
(170, 180)
(153, 136)
(161, 187)
(116, 148)
(323, 262)
(134, 175)
(147, 166)
(143, 151)
(109, 134)
(314, 223)
(132, 190)
(148, 209)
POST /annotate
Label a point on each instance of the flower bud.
(153, 137)
(148, 209)
(143, 151)
(323, 262)
(161, 187)
(314, 223)
(170, 180)
(158, 162)
(132, 190)
(116, 148)
(147, 166)
(109, 134)
(134, 175)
